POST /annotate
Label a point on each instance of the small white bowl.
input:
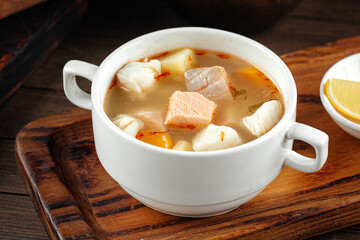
(347, 69)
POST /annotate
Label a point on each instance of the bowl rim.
(289, 112)
(337, 117)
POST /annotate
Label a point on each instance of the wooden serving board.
(77, 199)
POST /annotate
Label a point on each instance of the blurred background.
(95, 28)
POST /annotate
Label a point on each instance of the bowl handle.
(316, 138)
(72, 69)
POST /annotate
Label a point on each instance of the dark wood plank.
(344, 11)
(10, 180)
(350, 233)
(49, 76)
(27, 105)
(28, 43)
(8, 7)
(18, 219)
(57, 154)
(138, 17)
(291, 34)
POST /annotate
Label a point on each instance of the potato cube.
(178, 62)
(183, 146)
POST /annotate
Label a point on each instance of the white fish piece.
(183, 145)
(153, 120)
(266, 117)
(138, 76)
(215, 137)
(128, 124)
(211, 82)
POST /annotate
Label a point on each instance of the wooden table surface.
(106, 27)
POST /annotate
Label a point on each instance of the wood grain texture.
(8, 7)
(350, 233)
(34, 103)
(10, 181)
(76, 198)
(329, 10)
(21, 221)
(27, 38)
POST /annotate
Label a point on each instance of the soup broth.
(250, 88)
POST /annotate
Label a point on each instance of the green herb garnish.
(236, 92)
(254, 107)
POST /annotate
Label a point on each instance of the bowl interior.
(347, 69)
(199, 38)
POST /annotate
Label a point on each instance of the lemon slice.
(344, 95)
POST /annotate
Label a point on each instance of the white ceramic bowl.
(194, 184)
(347, 69)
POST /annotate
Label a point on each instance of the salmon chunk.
(189, 110)
(212, 82)
(153, 120)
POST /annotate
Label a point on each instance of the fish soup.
(193, 100)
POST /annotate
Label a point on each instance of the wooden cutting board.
(77, 199)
